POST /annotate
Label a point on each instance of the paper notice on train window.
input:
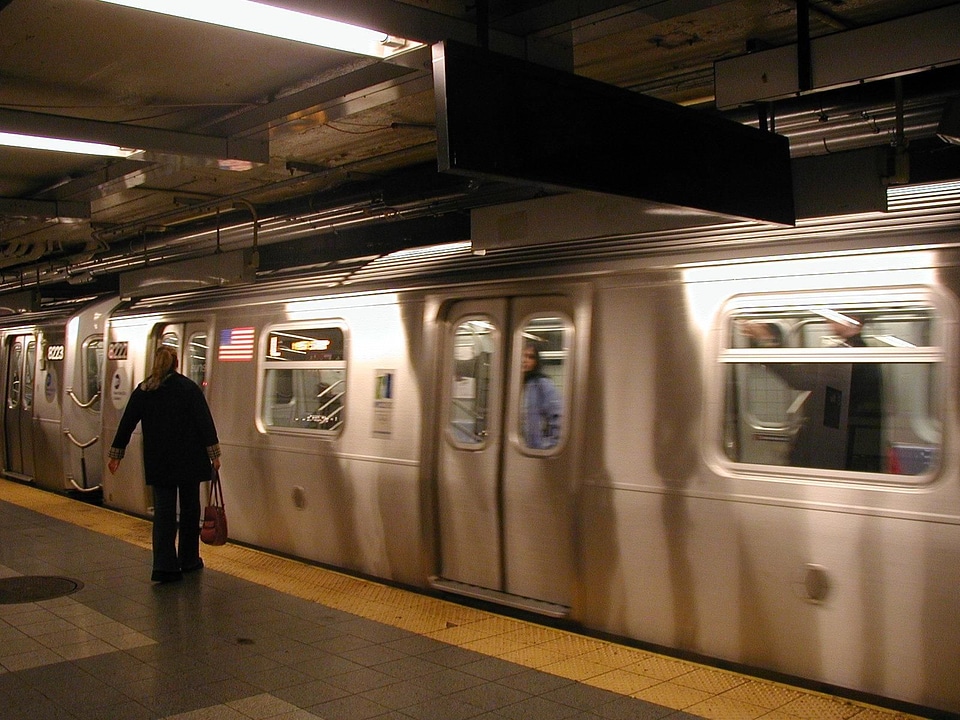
(464, 388)
(384, 391)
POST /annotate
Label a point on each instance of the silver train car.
(721, 478)
(52, 365)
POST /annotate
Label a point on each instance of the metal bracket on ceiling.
(65, 210)
(804, 69)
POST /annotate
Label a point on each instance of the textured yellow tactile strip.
(677, 684)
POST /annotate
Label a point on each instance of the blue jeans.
(170, 553)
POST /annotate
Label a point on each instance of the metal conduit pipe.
(190, 245)
(278, 228)
(194, 244)
(255, 259)
(19, 253)
(829, 114)
(196, 210)
(854, 117)
(120, 232)
(837, 128)
(272, 229)
(809, 140)
(88, 252)
(822, 114)
(285, 227)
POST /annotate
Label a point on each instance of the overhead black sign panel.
(503, 118)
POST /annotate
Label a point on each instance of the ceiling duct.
(63, 210)
(841, 183)
(574, 217)
(217, 270)
(19, 303)
(921, 42)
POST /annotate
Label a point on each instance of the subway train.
(716, 477)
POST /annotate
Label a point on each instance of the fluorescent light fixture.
(279, 22)
(834, 316)
(34, 142)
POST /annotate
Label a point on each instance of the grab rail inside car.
(327, 415)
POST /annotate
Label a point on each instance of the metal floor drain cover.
(33, 588)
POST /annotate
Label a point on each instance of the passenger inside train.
(849, 395)
(809, 387)
(540, 405)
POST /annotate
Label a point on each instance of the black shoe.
(166, 576)
(193, 567)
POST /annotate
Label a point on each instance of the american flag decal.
(236, 344)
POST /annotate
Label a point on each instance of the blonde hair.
(164, 362)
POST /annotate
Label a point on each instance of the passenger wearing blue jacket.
(540, 405)
(180, 446)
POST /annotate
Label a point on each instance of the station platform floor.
(256, 636)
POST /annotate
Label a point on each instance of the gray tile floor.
(215, 647)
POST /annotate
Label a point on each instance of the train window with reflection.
(844, 385)
(476, 345)
(29, 366)
(544, 350)
(304, 379)
(196, 361)
(91, 366)
(14, 386)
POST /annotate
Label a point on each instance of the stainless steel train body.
(380, 425)
(52, 365)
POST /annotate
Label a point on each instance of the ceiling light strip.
(33, 142)
(279, 22)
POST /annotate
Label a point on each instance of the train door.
(83, 399)
(191, 343)
(505, 490)
(18, 409)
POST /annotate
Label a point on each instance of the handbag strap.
(215, 491)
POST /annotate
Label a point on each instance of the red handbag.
(213, 530)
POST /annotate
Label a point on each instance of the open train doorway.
(505, 476)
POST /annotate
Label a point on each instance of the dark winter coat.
(178, 430)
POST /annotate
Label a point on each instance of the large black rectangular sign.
(503, 118)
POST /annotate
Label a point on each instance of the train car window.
(304, 379)
(14, 385)
(846, 385)
(29, 366)
(476, 343)
(91, 361)
(196, 364)
(170, 339)
(544, 346)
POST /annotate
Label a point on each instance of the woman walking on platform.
(180, 446)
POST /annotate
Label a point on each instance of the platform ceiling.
(307, 143)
